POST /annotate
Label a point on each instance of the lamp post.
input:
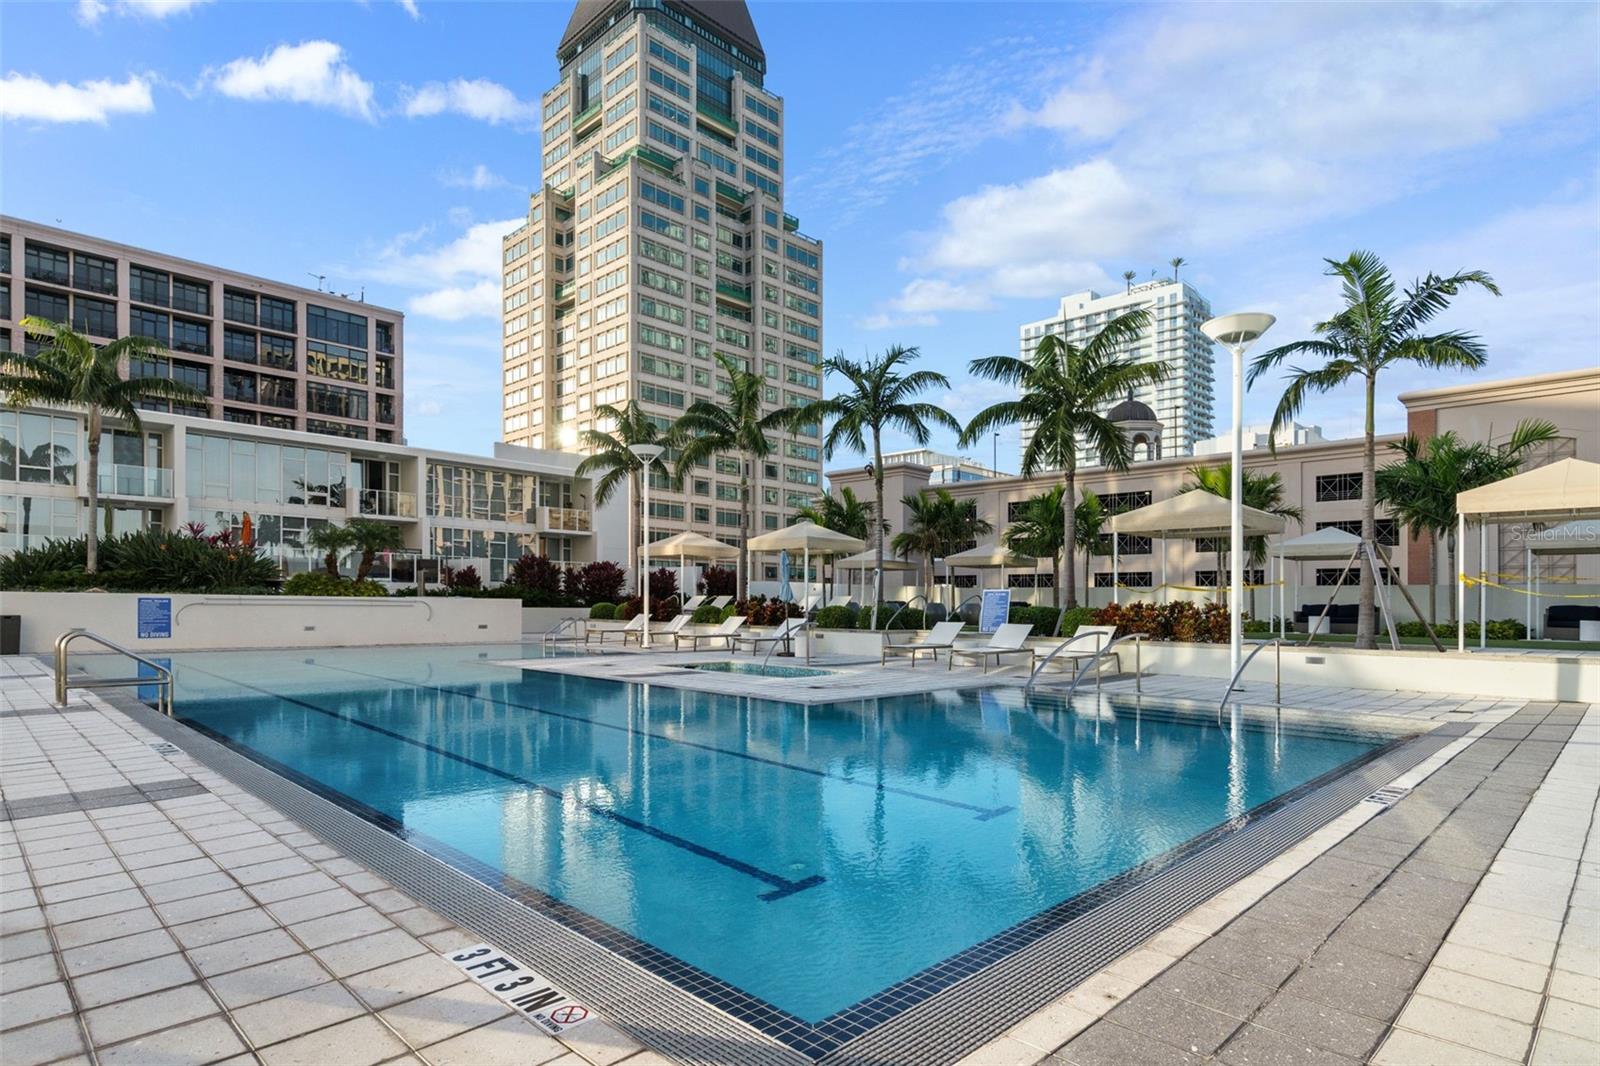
(1236, 333)
(646, 454)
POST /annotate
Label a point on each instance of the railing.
(551, 637)
(162, 680)
(136, 481)
(567, 519)
(791, 224)
(732, 291)
(386, 503)
(890, 623)
(1093, 664)
(1277, 682)
(793, 632)
(1037, 670)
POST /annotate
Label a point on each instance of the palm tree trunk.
(744, 529)
(877, 485)
(1451, 565)
(92, 532)
(1433, 579)
(1069, 503)
(1366, 622)
(1055, 578)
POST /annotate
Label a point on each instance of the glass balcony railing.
(567, 519)
(732, 291)
(136, 481)
(383, 503)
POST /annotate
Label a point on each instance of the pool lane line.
(781, 886)
(983, 814)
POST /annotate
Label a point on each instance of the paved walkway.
(153, 913)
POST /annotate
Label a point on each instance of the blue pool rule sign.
(996, 609)
(155, 617)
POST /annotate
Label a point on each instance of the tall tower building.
(1183, 402)
(657, 241)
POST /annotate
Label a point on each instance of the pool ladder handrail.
(550, 637)
(1138, 665)
(804, 625)
(1054, 652)
(162, 680)
(1277, 681)
(890, 623)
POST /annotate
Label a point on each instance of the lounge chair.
(811, 603)
(630, 632)
(1083, 647)
(784, 633)
(942, 638)
(691, 604)
(1007, 640)
(719, 602)
(669, 628)
(840, 601)
(723, 632)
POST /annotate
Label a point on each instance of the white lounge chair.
(691, 604)
(1083, 648)
(719, 602)
(724, 632)
(1007, 640)
(784, 633)
(631, 631)
(811, 603)
(840, 601)
(941, 638)
(669, 628)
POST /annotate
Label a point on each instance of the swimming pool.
(806, 863)
(757, 669)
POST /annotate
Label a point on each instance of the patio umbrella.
(868, 560)
(810, 538)
(785, 593)
(1188, 514)
(991, 557)
(247, 531)
(693, 546)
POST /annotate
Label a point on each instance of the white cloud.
(480, 178)
(89, 12)
(24, 96)
(479, 99)
(410, 7)
(312, 72)
(454, 303)
(426, 408)
(455, 280)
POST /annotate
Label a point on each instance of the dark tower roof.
(1131, 410)
(732, 17)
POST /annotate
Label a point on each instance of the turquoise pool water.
(757, 669)
(810, 856)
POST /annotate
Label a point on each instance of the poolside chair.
(719, 602)
(1083, 648)
(627, 633)
(1007, 640)
(723, 632)
(784, 634)
(811, 603)
(691, 604)
(942, 638)
(840, 601)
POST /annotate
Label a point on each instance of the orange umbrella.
(246, 531)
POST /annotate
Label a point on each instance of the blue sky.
(966, 166)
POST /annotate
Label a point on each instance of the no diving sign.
(525, 989)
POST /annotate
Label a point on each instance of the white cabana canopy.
(693, 546)
(1193, 514)
(1330, 543)
(868, 560)
(1569, 489)
(808, 538)
(1574, 538)
(989, 556)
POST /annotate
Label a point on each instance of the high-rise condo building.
(658, 241)
(1182, 403)
(266, 354)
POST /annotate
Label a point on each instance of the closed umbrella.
(785, 593)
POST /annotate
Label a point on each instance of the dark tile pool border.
(932, 1017)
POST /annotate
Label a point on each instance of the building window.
(94, 273)
(276, 392)
(1388, 529)
(43, 263)
(239, 306)
(326, 324)
(1118, 502)
(336, 362)
(336, 429)
(385, 341)
(38, 449)
(231, 414)
(1207, 579)
(190, 336)
(1127, 544)
(237, 385)
(277, 314)
(1329, 575)
(1133, 579)
(191, 296)
(47, 305)
(1333, 487)
(97, 318)
(336, 401)
(149, 286)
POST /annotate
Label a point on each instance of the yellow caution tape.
(1470, 581)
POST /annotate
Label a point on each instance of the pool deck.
(153, 911)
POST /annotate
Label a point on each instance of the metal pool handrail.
(804, 625)
(162, 680)
(1138, 666)
(1054, 652)
(551, 636)
(1277, 681)
(890, 623)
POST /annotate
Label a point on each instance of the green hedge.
(319, 583)
(1499, 629)
(836, 618)
(708, 615)
(148, 561)
(603, 612)
(910, 618)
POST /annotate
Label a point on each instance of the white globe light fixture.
(1236, 333)
(647, 454)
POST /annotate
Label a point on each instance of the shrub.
(537, 580)
(1499, 629)
(836, 618)
(663, 586)
(1077, 616)
(455, 580)
(599, 582)
(708, 615)
(760, 611)
(1181, 621)
(910, 618)
(602, 612)
(627, 609)
(1043, 619)
(147, 561)
(319, 583)
(719, 581)
(1257, 625)
(729, 611)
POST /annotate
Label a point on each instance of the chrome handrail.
(1056, 651)
(890, 623)
(1277, 679)
(1138, 666)
(551, 636)
(162, 680)
(788, 638)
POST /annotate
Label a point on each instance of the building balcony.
(563, 519)
(143, 482)
(384, 503)
(791, 224)
(733, 292)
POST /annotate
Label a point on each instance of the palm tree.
(610, 457)
(331, 540)
(1378, 327)
(1064, 389)
(369, 537)
(1040, 529)
(843, 513)
(1127, 278)
(1176, 261)
(72, 371)
(881, 395)
(1088, 519)
(938, 524)
(1264, 492)
(734, 425)
(1421, 487)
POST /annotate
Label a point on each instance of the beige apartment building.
(1322, 478)
(658, 241)
(266, 354)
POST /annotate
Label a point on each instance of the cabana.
(868, 560)
(810, 539)
(990, 557)
(1188, 514)
(1574, 538)
(1325, 544)
(1564, 491)
(691, 546)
